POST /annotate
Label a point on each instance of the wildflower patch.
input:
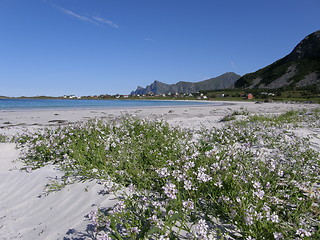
(251, 179)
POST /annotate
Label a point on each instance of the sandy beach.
(18, 121)
(26, 212)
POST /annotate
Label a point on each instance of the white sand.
(61, 215)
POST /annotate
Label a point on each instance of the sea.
(15, 104)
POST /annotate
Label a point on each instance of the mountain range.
(226, 80)
(300, 68)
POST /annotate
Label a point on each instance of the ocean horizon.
(16, 104)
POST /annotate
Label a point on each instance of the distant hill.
(221, 82)
(298, 69)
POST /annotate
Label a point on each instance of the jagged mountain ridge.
(298, 69)
(223, 81)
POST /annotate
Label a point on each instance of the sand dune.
(27, 213)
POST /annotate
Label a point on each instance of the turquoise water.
(72, 103)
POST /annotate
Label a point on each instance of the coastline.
(80, 104)
(28, 214)
(17, 121)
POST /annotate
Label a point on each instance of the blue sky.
(88, 47)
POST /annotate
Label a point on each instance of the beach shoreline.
(89, 104)
(17, 121)
(26, 213)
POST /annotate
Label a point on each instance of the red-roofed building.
(249, 96)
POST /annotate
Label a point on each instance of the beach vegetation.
(228, 117)
(253, 178)
(232, 116)
(3, 138)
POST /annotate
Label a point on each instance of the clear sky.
(88, 47)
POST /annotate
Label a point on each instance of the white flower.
(218, 183)
(187, 185)
(256, 185)
(181, 177)
(119, 207)
(153, 218)
(113, 144)
(274, 218)
(272, 165)
(259, 216)
(201, 229)
(131, 188)
(188, 165)
(170, 190)
(170, 212)
(248, 219)
(93, 216)
(163, 238)
(156, 204)
(259, 193)
(303, 233)
(163, 172)
(277, 236)
(268, 185)
(104, 237)
(215, 167)
(250, 238)
(28, 169)
(266, 208)
(280, 173)
(107, 223)
(202, 176)
(223, 198)
(135, 230)
(188, 204)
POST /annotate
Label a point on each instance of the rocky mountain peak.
(309, 47)
(300, 68)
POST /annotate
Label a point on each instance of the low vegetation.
(251, 179)
(285, 94)
(3, 138)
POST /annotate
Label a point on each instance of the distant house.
(69, 96)
(269, 94)
(202, 97)
(250, 96)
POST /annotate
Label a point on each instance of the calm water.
(71, 103)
